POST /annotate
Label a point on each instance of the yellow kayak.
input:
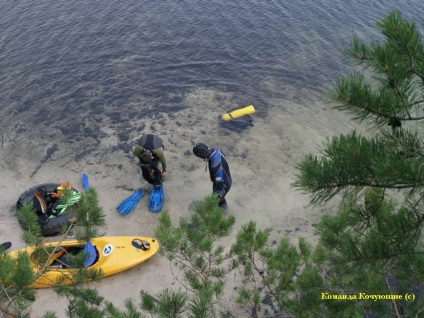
(112, 255)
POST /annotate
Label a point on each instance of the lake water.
(81, 80)
(110, 62)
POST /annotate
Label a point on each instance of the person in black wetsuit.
(219, 170)
(149, 150)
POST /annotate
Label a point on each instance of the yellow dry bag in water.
(248, 110)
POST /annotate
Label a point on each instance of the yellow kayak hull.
(113, 255)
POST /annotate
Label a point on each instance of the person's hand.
(164, 175)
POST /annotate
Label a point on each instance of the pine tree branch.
(351, 161)
(419, 215)
(186, 262)
(261, 273)
(5, 310)
(10, 302)
(394, 305)
(417, 103)
(409, 118)
(414, 273)
(209, 259)
(39, 273)
(396, 62)
(367, 184)
(386, 257)
(254, 282)
(178, 279)
(366, 111)
(50, 255)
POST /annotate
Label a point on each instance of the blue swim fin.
(156, 199)
(84, 180)
(129, 204)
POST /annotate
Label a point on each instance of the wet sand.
(262, 159)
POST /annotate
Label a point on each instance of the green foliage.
(130, 310)
(193, 242)
(374, 249)
(397, 79)
(393, 95)
(374, 244)
(351, 163)
(278, 277)
(167, 303)
(90, 216)
(49, 314)
(192, 248)
(201, 304)
(83, 302)
(68, 197)
(29, 220)
(17, 274)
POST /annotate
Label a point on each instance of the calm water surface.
(62, 61)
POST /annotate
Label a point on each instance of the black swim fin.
(5, 246)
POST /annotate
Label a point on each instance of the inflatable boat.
(51, 223)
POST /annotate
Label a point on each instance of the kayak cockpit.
(66, 256)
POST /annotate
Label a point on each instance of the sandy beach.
(262, 160)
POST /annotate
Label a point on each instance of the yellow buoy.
(248, 110)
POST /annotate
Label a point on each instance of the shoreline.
(262, 161)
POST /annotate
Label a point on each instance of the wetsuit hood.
(202, 151)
